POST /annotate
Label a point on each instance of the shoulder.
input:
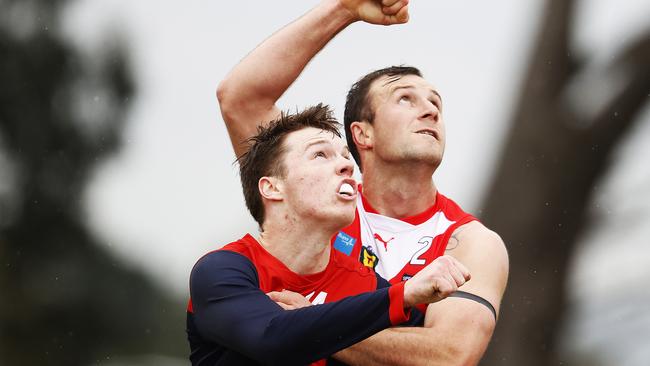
(476, 230)
(235, 256)
(219, 275)
(220, 260)
(241, 248)
(244, 246)
(453, 209)
(475, 240)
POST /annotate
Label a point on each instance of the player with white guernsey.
(395, 131)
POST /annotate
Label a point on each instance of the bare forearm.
(247, 96)
(413, 346)
(268, 71)
(389, 347)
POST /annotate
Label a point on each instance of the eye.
(320, 154)
(435, 100)
(405, 99)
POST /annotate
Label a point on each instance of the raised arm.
(456, 330)
(248, 94)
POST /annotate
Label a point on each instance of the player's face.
(407, 125)
(318, 183)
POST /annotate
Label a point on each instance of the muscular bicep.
(467, 323)
(483, 252)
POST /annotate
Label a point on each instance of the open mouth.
(347, 189)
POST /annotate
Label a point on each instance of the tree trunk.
(550, 164)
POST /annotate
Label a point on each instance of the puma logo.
(377, 237)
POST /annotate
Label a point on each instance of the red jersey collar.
(293, 277)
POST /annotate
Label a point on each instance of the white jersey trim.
(397, 243)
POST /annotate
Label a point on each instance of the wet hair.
(358, 104)
(265, 155)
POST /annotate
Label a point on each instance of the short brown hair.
(358, 106)
(265, 154)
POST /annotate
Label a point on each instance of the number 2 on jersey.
(427, 241)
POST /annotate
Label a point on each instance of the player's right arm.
(248, 94)
(229, 308)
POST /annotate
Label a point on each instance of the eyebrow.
(320, 141)
(317, 141)
(394, 89)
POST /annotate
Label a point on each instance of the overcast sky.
(172, 193)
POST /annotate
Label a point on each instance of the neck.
(399, 190)
(303, 248)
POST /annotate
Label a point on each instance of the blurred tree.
(568, 121)
(64, 300)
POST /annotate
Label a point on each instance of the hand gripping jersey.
(231, 321)
(398, 249)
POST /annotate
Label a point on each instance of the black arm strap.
(478, 299)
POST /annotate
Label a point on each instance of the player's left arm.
(457, 330)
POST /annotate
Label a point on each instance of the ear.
(362, 134)
(270, 188)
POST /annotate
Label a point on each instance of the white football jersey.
(398, 248)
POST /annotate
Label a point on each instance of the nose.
(430, 112)
(345, 167)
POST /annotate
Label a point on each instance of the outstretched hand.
(384, 12)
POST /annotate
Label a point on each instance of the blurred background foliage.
(568, 123)
(64, 299)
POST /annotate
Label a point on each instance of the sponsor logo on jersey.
(344, 243)
(368, 258)
(378, 237)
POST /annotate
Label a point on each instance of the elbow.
(223, 91)
(466, 358)
(470, 354)
(234, 103)
(456, 355)
(226, 99)
(230, 103)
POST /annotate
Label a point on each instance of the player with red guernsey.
(297, 183)
(396, 133)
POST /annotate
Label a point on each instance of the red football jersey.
(341, 278)
(231, 320)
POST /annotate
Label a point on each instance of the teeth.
(427, 133)
(347, 189)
